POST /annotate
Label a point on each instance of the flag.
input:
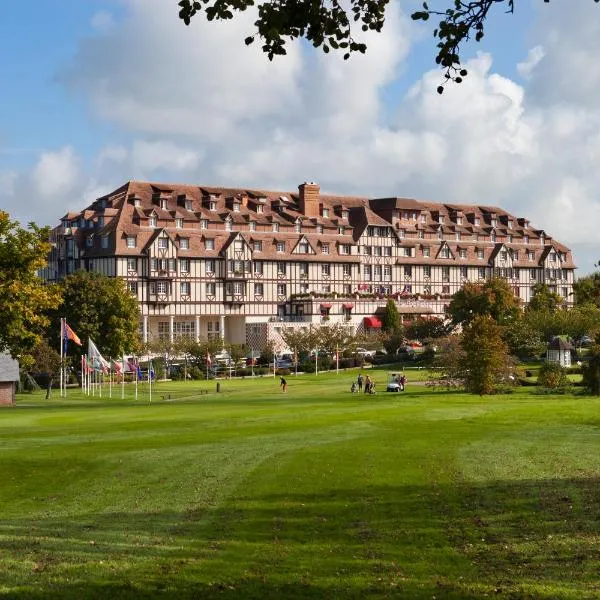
(96, 360)
(208, 359)
(71, 335)
(117, 366)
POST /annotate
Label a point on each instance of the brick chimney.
(309, 198)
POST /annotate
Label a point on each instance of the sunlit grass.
(316, 493)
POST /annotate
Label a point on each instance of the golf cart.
(393, 383)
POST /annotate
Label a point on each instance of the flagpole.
(62, 346)
(136, 377)
(337, 360)
(149, 379)
(122, 376)
(109, 377)
(316, 361)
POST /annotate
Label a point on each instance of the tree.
(327, 24)
(390, 319)
(24, 299)
(522, 339)
(236, 353)
(494, 298)
(486, 359)
(336, 337)
(591, 371)
(449, 363)
(199, 351)
(575, 323)
(587, 290)
(428, 329)
(544, 299)
(101, 308)
(45, 361)
(393, 340)
(552, 375)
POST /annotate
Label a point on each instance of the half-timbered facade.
(240, 264)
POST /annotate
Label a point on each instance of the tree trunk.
(49, 388)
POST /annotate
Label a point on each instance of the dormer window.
(401, 233)
(164, 204)
(440, 234)
(227, 225)
(344, 214)
(188, 205)
(342, 230)
(457, 235)
(459, 220)
(163, 243)
(325, 248)
(510, 239)
(203, 223)
(184, 243)
(209, 244)
(509, 223)
(275, 227)
(298, 226)
(236, 207)
(259, 208)
(493, 222)
(526, 239)
(423, 218)
(252, 225)
(440, 218)
(493, 236)
(325, 213)
(131, 241)
(178, 223)
(542, 239)
(137, 202)
(258, 246)
(445, 253)
(421, 234)
(152, 221)
(480, 254)
(280, 246)
(212, 205)
(476, 221)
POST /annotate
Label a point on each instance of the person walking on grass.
(367, 384)
(359, 380)
(283, 384)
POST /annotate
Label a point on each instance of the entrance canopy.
(372, 322)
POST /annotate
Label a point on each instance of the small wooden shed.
(559, 351)
(9, 376)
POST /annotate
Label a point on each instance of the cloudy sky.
(98, 92)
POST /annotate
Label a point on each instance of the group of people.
(363, 382)
(401, 381)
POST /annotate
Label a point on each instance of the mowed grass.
(316, 493)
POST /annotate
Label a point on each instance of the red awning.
(372, 322)
(326, 305)
(348, 305)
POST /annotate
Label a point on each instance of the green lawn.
(317, 493)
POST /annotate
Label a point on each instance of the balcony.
(162, 274)
(238, 275)
(289, 319)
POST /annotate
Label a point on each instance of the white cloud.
(102, 21)
(56, 172)
(535, 55)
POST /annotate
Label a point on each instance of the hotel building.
(240, 264)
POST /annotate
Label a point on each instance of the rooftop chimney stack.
(309, 198)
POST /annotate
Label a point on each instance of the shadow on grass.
(523, 539)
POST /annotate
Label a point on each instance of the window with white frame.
(184, 265)
(387, 250)
(367, 272)
(464, 272)
(445, 273)
(480, 253)
(325, 248)
(162, 287)
(259, 289)
(503, 255)
(376, 250)
(281, 289)
(481, 272)
(304, 288)
(319, 228)
(211, 288)
(203, 223)
(281, 268)
(280, 246)
(212, 205)
(347, 270)
(185, 288)
(131, 240)
(209, 244)
(152, 221)
(526, 239)
(184, 243)
(210, 266)
(344, 248)
(236, 207)
(344, 214)
(462, 253)
(275, 227)
(445, 252)
(258, 268)
(188, 205)
(426, 271)
(163, 243)
(132, 264)
(258, 245)
(407, 270)
(132, 287)
(298, 226)
(228, 225)
(408, 251)
(252, 225)
(387, 272)
(342, 230)
(178, 223)
(326, 212)
(326, 270)
(426, 252)
(377, 272)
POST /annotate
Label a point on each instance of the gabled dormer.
(303, 247)
(445, 251)
(501, 257)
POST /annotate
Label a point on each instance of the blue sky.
(102, 91)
